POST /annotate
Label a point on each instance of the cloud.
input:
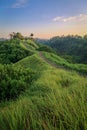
(20, 4)
(79, 17)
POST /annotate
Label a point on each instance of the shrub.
(14, 81)
(11, 52)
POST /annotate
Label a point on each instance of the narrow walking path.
(60, 67)
(49, 62)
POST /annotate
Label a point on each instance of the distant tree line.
(73, 48)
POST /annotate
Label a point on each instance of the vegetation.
(37, 95)
(73, 48)
(16, 36)
(31, 35)
(11, 51)
(14, 81)
(61, 62)
(46, 48)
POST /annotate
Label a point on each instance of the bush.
(11, 52)
(14, 81)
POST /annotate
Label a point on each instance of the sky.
(43, 18)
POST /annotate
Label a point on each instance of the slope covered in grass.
(82, 68)
(34, 62)
(73, 48)
(11, 51)
(14, 50)
(56, 100)
(29, 45)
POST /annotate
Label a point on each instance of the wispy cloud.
(79, 17)
(20, 4)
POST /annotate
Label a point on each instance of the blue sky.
(44, 18)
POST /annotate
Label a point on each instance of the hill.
(73, 48)
(48, 92)
(14, 50)
(60, 62)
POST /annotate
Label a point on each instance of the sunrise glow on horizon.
(44, 18)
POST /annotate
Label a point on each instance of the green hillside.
(29, 45)
(73, 48)
(61, 62)
(15, 50)
(34, 62)
(53, 95)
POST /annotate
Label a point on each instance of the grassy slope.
(55, 101)
(34, 62)
(29, 45)
(62, 62)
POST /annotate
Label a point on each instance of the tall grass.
(82, 68)
(57, 100)
(58, 110)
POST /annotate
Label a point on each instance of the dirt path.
(49, 62)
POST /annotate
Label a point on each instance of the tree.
(11, 36)
(85, 36)
(31, 35)
(17, 35)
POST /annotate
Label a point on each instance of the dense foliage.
(53, 96)
(11, 51)
(57, 100)
(14, 81)
(73, 48)
(45, 48)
